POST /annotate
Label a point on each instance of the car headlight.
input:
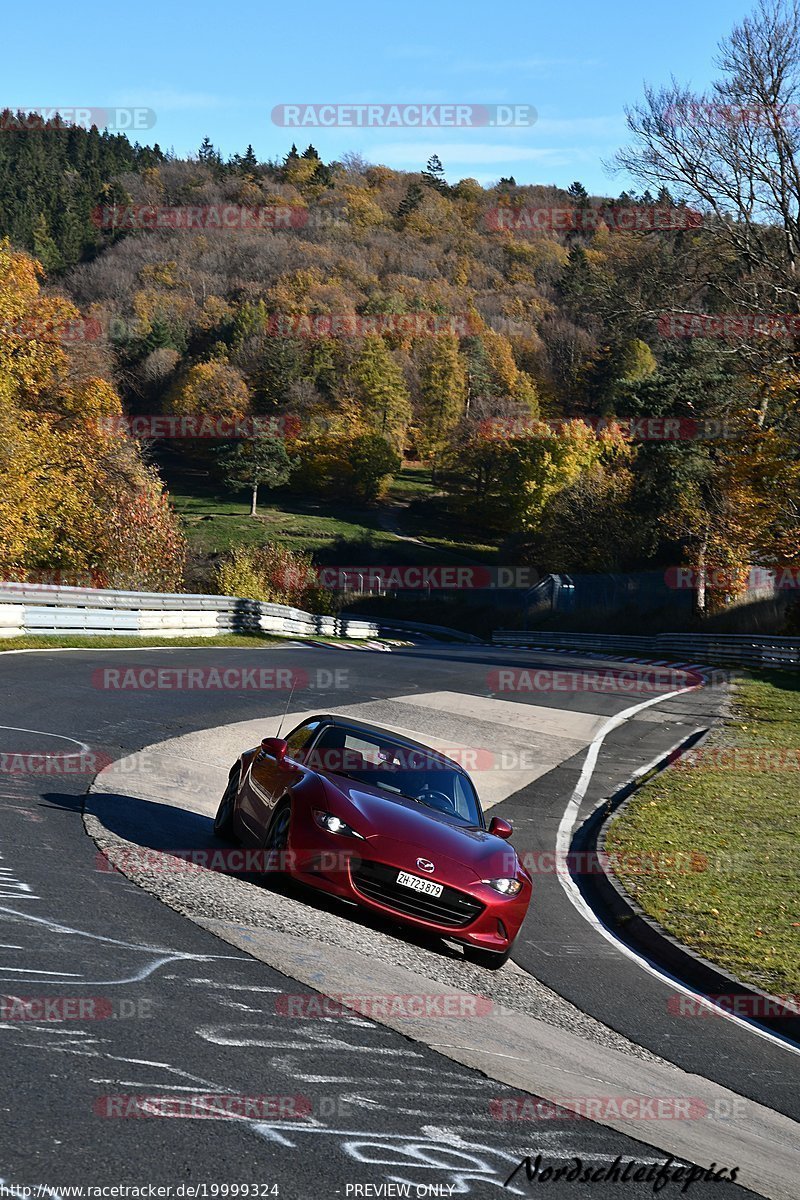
(334, 824)
(507, 887)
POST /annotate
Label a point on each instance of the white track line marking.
(564, 837)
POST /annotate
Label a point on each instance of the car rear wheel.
(490, 960)
(223, 821)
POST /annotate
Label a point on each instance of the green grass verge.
(113, 641)
(742, 910)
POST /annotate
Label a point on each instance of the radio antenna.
(288, 702)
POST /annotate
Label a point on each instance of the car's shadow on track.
(173, 840)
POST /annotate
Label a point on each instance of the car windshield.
(396, 768)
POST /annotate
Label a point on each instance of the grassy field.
(216, 522)
(738, 805)
(411, 483)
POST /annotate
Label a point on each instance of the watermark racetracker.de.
(215, 218)
(219, 678)
(398, 116)
(729, 325)
(526, 219)
(285, 426)
(63, 117)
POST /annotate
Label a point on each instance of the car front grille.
(378, 882)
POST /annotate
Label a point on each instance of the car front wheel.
(277, 840)
(223, 821)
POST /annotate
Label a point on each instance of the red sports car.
(384, 822)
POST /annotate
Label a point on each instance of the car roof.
(364, 727)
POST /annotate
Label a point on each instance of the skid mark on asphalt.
(12, 888)
(47, 940)
(475, 1151)
(378, 1106)
(47, 733)
(466, 1150)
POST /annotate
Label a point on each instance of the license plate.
(419, 885)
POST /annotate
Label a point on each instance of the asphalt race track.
(135, 1000)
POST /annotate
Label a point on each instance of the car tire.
(223, 821)
(277, 837)
(490, 960)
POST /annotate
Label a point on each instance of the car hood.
(404, 821)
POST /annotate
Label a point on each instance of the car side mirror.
(276, 748)
(501, 828)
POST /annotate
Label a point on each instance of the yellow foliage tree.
(210, 389)
(66, 469)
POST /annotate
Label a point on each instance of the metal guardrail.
(629, 643)
(42, 609)
(735, 649)
(48, 594)
(389, 625)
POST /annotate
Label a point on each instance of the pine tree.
(44, 247)
(208, 154)
(434, 176)
(51, 181)
(575, 285)
(577, 191)
(278, 368)
(412, 199)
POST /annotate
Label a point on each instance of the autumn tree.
(590, 525)
(359, 464)
(442, 394)
(372, 463)
(271, 573)
(733, 150)
(75, 493)
(140, 544)
(210, 391)
(381, 392)
(509, 479)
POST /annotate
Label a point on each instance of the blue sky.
(220, 68)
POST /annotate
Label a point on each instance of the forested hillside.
(51, 178)
(530, 346)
